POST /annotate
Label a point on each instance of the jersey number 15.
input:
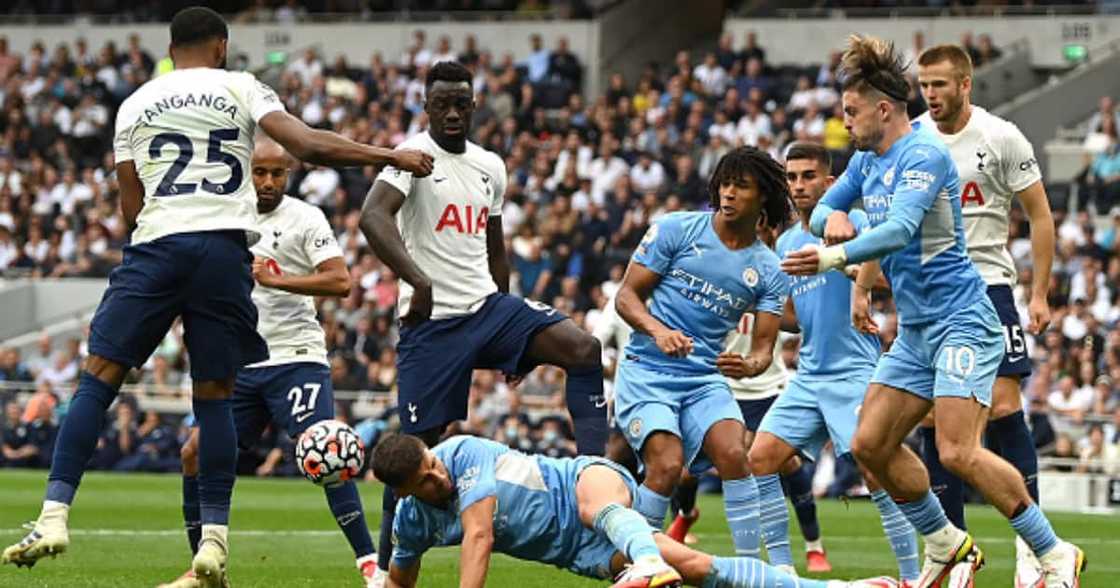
(214, 154)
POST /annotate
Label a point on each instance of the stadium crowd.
(587, 177)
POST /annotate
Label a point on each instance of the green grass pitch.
(127, 531)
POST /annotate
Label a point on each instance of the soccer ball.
(330, 453)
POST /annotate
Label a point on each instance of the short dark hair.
(197, 24)
(447, 71)
(807, 150)
(767, 173)
(396, 458)
(870, 63)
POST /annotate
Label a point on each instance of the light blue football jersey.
(912, 197)
(536, 517)
(829, 343)
(704, 290)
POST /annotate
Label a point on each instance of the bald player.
(296, 259)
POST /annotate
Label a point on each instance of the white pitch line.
(176, 532)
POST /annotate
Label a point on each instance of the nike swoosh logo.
(438, 180)
(1014, 358)
(304, 417)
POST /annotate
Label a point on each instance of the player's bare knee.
(956, 455)
(213, 390)
(732, 461)
(867, 453)
(106, 370)
(763, 460)
(663, 473)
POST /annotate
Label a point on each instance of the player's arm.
(132, 192)
(829, 219)
(379, 226)
(789, 322)
(405, 577)
(852, 271)
(496, 253)
(733, 365)
(870, 275)
(329, 279)
(331, 149)
(630, 302)
(478, 542)
(1037, 207)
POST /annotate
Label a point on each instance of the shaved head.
(271, 165)
(267, 148)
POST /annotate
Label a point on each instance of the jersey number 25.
(214, 154)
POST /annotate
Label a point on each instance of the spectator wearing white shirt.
(10, 177)
(443, 51)
(574, 149)
(810, 127)
(319, 185)
(606, 169)
(712, 77)
(9, 253)
(307, 68)
(70, 192)
(753, 124)
(722, 127)
(648, 175)
(803, 96)
(1069, 401)
(417, 54)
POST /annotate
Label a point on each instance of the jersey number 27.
(214, 154)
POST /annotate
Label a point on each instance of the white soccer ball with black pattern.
(329, 453)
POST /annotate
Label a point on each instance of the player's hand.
(420, 307)
(838, 229)
(416, 162)
(861, 312)
(1039, 311)
(732, 365)
(266, 272)
(802, 262)
(673, 343)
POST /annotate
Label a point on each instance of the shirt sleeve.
(411, 538)
(473, 469)
(319, 243)
(922, 176)
(122, 135)
(499, 180)
(1020, 168)
(260, 98)
(839, 196)
(660, 244)
(397, 178)
(859, 220)
(775, 290)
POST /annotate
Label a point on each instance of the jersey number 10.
(214, 154)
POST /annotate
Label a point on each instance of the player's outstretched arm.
(1037, 207)
(132, 192)
(403, 577)
(789, 317)
(379, 226)
(630, 302)
(331, 149)
(478, 542)
(329, 279)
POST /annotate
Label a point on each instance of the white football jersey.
(995, 161)
(443, 223)
(190, 133)
(770, 382)
(297, 236)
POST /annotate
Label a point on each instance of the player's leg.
(946, 485)
(192, 511)
(603, 498)
(773, 514)
(133, 316)
(219, 323)
(538, 334)
(683, 505)
(663, 459)
(897, 529)
(724, 444)
(300, 395)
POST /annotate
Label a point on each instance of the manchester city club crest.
(750, 277)
(635, 428)
(888, 176)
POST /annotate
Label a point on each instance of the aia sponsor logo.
(463, 219)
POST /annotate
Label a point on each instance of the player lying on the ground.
(572, 513)
(297, 259)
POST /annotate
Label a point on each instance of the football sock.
(1015, 444)
(924, 514)
(217, 458)
(652, 506)
(900, 534)
(740, 503)
(346, 506)
(627, 531)
(385, 536)
(77, 438)
(192, 512)
(1035, 529)
(799, 489)
(684, 497)
(774, 519)
(746, 572)
(948, 488)
(583, 392)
